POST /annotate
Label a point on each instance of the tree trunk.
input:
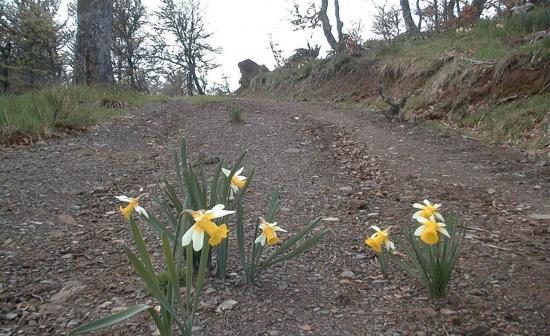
(407, 17)
(93, 43)
(449, 10)
(420, 15)
(339, 23)
(479, 5)
(327, 29)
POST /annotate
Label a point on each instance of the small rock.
(226, 305)
(330, 219)
(105, 305)
(347, 275)
(540, 216)
(66, 220)
(428, 311)
(274, 333)
(476, 331)
(209, 290)
(346, 190)
(293, 150)
(32, 323)
(72, 323)
(305, 327)
(11, 316)
(447, 312)
(358, 204)
(491, 191)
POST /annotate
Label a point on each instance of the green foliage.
(39, 113)
(251, 261)
(31, 43)
(110, 320)
(513, 121)
(536, 20)
(433, 265)
(235, 113)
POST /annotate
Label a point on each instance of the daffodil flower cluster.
(432, 222)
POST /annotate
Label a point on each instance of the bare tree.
(183, 22)
(387, 22)
(407, 16)
(314, 17)
(128, 40)
(93, 42)
(276, 52)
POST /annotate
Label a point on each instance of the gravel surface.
(61, 262)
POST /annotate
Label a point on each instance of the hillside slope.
(491, 81)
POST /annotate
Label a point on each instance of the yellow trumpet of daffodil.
(269, 234)
(133, 205)
(204, 223)
(237, 181)
(427, 210)
(430, 229)
(379, 238)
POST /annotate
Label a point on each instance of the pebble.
(305, 327)
(226, 305)
(447, 311)
(11, 316)
(428, 311)
(346, 190)
(347, 275)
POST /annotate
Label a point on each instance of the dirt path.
(61, 261)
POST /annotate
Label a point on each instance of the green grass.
(40, 113)
(516, 122)
(235, 113)
(206, 100)
(483, 42)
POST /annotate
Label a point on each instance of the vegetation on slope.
(59, 110)
(492, 79)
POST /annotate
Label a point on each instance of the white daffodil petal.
(438, 215)
(226, 172)
(239, 172)
(216, 208)
(188, 236)
(198, 239)
(418, 230)
(276, 228)
(375, 228)
(141, 211)
(427, 202)
(418, 206)
(422, 220)
(221, 213)
(391, 245)
(260, 239)
(123, 198)
(444, 232)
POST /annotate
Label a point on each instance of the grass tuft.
(41, 113)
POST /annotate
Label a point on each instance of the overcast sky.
(242, 27)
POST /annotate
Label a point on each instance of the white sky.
(242, 27)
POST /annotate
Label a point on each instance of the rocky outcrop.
(249, 69)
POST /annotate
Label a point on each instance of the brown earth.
(61, 262)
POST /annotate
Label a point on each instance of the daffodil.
(378, 238)
(268, 233)
(427, 210)
(430, 229)
(237, 181)
(204, 223)
(133, 205)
